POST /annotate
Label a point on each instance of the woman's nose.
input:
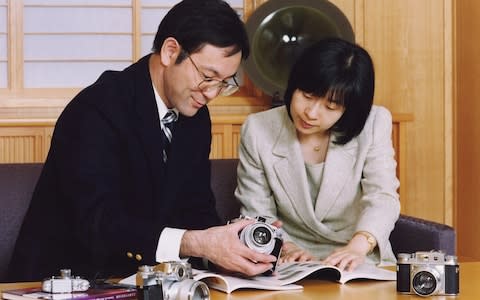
(312, 111)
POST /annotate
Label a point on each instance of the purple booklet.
(90, 294)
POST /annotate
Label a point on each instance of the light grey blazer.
(358, 190)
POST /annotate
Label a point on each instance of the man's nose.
(210, 93)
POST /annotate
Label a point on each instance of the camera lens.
(188, 289)
(262, 235)
(259, 237)
(424, 283)
(201, 292)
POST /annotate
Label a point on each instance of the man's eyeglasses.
(208, 84)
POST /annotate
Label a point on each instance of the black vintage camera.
(169, 280)
(427, 273)
(65, 283)
(262, 237)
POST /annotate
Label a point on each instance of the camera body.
(168, 281)
(65, 283)
(262, 237)
(427, 273)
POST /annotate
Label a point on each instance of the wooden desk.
(326, 290)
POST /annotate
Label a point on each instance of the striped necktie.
(167, 130)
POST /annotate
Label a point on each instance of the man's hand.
(221, 246)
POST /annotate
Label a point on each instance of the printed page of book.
(367, 271)
(228, 284)
(292, 272)
(287, 273)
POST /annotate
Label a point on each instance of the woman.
(324, 163)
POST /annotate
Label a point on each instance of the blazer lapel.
(148, 129)
(290, 169)
(338, 165)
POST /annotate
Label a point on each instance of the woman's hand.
(345, 258)
(291, 253)
(352, 255)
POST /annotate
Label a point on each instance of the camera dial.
(403, 258)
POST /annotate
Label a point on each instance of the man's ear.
(170, 51)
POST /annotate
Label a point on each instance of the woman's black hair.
(341, 71)
(195, 23)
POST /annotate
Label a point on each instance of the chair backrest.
(17, 182)
(224, 182)
(413, 234)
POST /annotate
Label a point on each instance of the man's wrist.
(191, 244)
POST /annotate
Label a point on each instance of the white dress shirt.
(168, 247)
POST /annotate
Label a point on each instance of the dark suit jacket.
(104, 190)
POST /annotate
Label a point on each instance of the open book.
(285, 276)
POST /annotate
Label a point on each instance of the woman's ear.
(169, 51)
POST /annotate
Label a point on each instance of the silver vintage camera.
(169, 281)
(261, 237)
(65, 283)
(427, 273)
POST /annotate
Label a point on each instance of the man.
(120, 185)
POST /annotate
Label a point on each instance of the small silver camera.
(168, 281)
(427, 273)
(261, 237)
(65, 283)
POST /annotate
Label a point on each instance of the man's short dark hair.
(341, 71)
(195, 23)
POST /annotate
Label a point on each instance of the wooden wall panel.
(21, 144)
(235, 139)
(467, 127)
(216, 149)
(48, 133)
(406, 41)
(226, 135)
(221, 141)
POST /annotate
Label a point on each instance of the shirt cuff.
(168, 248)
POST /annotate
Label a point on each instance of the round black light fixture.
(279, 30)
